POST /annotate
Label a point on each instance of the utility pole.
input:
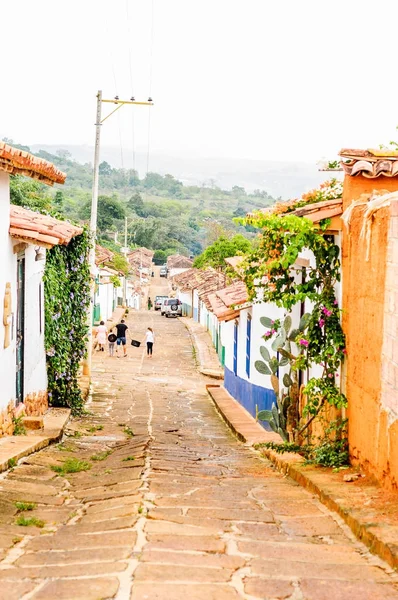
(94, 210)
(93, 232)
(125, 254)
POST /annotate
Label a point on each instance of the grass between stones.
(24, 506)
(95, 428)
(71, 465)
(29, 522)
(128, 458)
(128, 431)
(101, 455)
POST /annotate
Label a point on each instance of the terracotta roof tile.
(39, 229)
(178, 261)
(140, 255)
(19, 162)
(204, 281)
(234, 294)
(228, 302)
(102, 255)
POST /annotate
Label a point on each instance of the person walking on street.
(121, 338)
(101, 336)
(149, 303)
(150, 340)
(112, 342)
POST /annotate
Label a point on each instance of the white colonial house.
(24, 238)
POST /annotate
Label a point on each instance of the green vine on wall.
(271, 275)
(67, 297)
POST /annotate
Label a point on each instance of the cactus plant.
(283, 416)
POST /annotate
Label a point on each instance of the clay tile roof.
(140, 255)
(186, 280)
(227, 302)
(19, 162)
(370, 163)
(234, 294)
(102, 255)
(178, 261)
(42, 230)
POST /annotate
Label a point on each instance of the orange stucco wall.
(373, 432)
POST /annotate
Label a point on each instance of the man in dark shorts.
(121, 330)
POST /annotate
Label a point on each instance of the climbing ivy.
(271, 276)
(67, 297)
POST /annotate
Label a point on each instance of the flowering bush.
(67, 296)
(270, 274)
(329, 190)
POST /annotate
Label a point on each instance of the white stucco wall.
(35, 373)
(8, 273)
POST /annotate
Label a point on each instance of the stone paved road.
(179, 510)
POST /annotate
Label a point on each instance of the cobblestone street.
(172, 506)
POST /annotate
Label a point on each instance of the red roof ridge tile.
(19, 162)
(42, 230)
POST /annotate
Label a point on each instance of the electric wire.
(150, 80)
(131, 78)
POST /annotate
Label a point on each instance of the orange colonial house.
(24, 238)
(370, 303)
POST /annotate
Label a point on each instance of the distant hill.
(278, 178)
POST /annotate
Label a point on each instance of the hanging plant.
(67, 297)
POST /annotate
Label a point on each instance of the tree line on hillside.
(162, 213)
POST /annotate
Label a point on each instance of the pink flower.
(330, 375)
(303, 342)
(344, 351)
(326, 311)
(335, 302)
(268, 333)
(274, 331)
(321, 322)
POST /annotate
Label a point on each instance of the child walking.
(112, 342)
(150, 340)
(101, 336)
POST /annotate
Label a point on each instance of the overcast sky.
(259, 79)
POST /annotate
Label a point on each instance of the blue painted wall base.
(249, 395)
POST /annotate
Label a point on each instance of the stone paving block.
(70, 541)
(196, 559)
(97, 555)
(15, 590)
(268, 589)
(100, 588)
(317, 553)
(179, 529)
(159, 573)
(313, 589)
(263, 516)
(99, 526)
(59, 571)
(151, 591)
(274, 568)
(99, 505)
(186, 542)
(309, 526)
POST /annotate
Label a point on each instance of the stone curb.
(379, 538)
(13, 448)
(202, 368)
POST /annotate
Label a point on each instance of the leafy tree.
(160, 257)
(215, 255)
(29, 194)
(110, 209)
(120, 264)
(59, 200)
(136, 204)
(105, 168)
